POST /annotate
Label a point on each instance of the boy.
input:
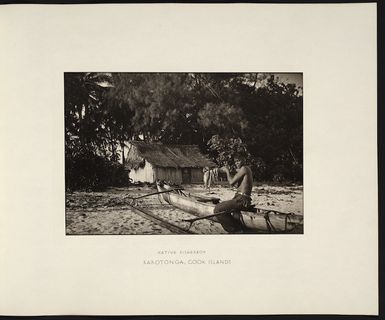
(243, 179)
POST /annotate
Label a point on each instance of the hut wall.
(175, 175)
(145, 174)
(149, 174)
(168, 174)
(197, 175)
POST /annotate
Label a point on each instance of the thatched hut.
(180, 164)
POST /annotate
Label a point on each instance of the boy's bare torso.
(246, 182)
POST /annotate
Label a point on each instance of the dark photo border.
(381, 184)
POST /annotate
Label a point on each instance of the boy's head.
(239, 160)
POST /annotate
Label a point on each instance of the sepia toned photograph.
(183, 153)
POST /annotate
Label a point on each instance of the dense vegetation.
(221, 113)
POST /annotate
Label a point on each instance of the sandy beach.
(108, 212)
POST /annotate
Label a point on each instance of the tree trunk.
(122, 147)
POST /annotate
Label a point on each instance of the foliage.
(219, 112)
(224, 150)
(87, 171)
(91, 133)
(222, 118)
(84, 114)
(266, 117)
(161, 106)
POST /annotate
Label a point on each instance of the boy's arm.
(233, 180)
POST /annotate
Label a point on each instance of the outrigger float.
(257, 220)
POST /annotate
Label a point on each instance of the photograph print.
(183, 153)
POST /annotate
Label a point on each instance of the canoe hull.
(262, 221)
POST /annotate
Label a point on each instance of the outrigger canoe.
(257, 220)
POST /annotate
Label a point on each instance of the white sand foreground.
(95, 213)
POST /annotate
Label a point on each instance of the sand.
(97, 213)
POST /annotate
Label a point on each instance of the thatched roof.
(159, 155)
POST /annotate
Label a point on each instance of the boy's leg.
(226, 220)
